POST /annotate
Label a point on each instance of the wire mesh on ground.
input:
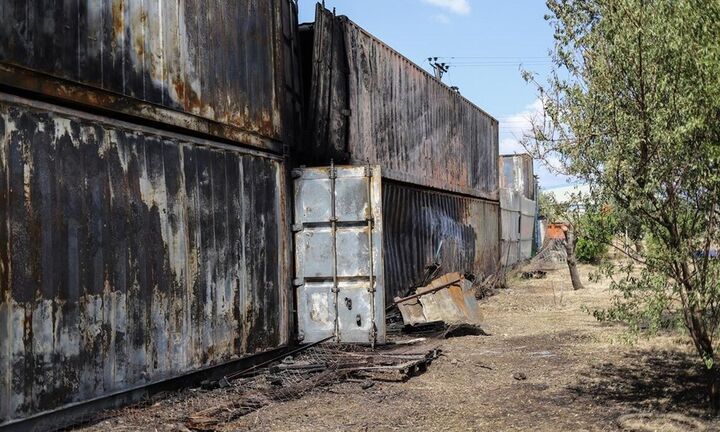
(552, 256)
(287, 379)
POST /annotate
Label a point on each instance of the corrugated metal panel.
(517, 173)
(517, 226)
(229, 63)
(130, 255)
(388, 111)
(517, 194)
(417, 220)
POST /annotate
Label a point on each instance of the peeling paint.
(370, 104)
(131, 250)
(222, 61)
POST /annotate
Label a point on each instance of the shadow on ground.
(647, 381)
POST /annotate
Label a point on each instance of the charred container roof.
(366, 103)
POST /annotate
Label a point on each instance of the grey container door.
(338, 254)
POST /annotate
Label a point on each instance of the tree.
(597, 230)
(567, 213)
(632, 108)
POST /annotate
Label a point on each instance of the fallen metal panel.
(369, 104)
(449, 298)
(457, 304)
(420, 221)
(338, 254)
(129, 256)
(220, 67)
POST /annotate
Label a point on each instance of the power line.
(495, 57)
(456, 65)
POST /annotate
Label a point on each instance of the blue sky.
(489, 40)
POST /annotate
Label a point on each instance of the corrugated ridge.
(416, 220)
(135, 256)
(220, 61)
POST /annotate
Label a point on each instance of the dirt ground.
(580, 375)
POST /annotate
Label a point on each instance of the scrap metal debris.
(552, 256)
(449, 298)
(319, 365)
(535, 274)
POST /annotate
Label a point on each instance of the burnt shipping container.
(143, 193)
(227, 69)
(368, 104)
(518, 203)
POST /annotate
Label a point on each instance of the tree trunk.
(714, 389)
(703, 344)
(570, 242)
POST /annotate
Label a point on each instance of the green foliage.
(595, 232)
(632, 109)
(594, 229)
(588, 251)
(548, 207)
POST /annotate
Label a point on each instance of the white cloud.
(461, 7)
(513, 128)
(441, 18)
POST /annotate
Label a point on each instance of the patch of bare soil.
(547, 365)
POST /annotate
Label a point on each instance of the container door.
(338, 254)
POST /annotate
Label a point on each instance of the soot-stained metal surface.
(418, 222)
(218, 67)
(518, 173)
(518, 207)
(130, 255)
(369, 104)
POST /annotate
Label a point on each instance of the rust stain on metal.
(118, 13)
(419, 223)
(222, 62)
(369, 104)
(129, 255)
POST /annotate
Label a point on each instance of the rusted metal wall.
(129, 255)
(417, 221)
(222, 68)
(369, 104)
(518, 207)
(518, 174)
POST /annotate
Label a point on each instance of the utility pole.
(439, 68)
